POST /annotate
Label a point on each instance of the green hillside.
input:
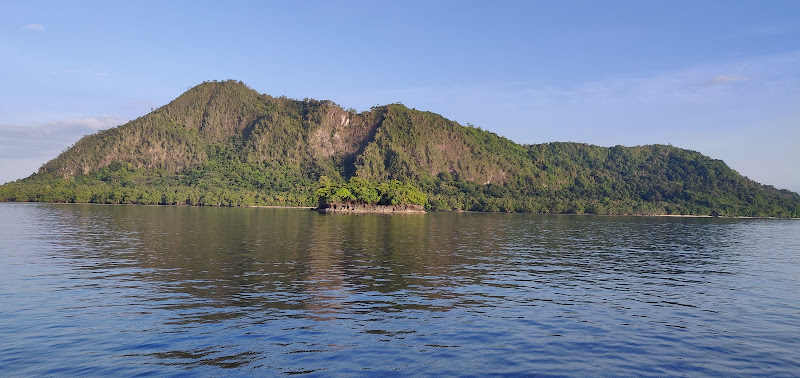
(224, 144)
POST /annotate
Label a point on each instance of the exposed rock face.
(365, 208)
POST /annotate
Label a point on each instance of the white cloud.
(34, 27)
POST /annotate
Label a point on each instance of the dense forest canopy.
(367, 192)
(224, 144)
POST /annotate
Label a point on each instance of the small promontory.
(359, 195)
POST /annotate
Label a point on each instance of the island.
(222, 143)
(359, 195)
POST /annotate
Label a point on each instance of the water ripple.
(130, 290)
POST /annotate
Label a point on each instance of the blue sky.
(719, 77)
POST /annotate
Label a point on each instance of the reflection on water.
(158, 290)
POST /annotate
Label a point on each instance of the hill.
(224, 144)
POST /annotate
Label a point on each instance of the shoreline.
(362, 208)
(399, 212)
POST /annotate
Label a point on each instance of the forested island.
(224, 144)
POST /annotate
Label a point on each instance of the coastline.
(412, 212)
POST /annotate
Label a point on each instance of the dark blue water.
(130, 290)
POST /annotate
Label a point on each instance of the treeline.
(119, 184)
(238, 184)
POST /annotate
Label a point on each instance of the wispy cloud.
(47, 138)
(24, 148)
(92, 123)
(723, 79)
(34, 27)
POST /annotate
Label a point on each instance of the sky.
(718, 77)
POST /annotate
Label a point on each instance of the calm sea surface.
(130, 290)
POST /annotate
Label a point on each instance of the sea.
(118, 290)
